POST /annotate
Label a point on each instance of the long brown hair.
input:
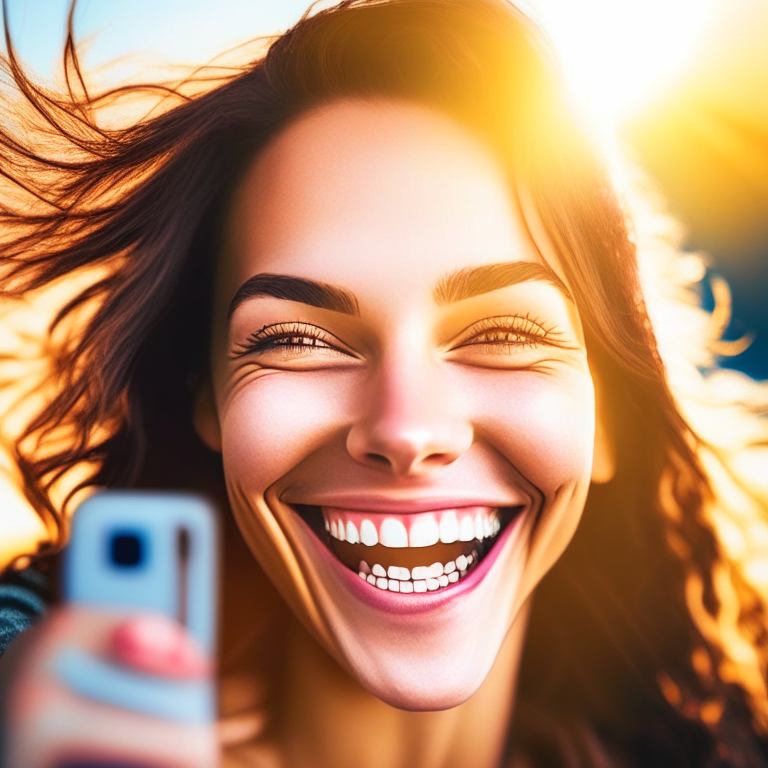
(610, 670)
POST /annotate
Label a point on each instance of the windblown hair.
(630, 655)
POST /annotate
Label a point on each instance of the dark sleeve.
(23, 596)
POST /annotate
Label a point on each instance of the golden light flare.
(724, 409)
(26, 386)
(705, 137)
(617, 56)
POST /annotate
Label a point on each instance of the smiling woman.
(417, 377)
(378, 287)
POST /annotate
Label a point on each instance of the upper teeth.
(412, 530)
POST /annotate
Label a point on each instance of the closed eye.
(508, 333)
(294, 339)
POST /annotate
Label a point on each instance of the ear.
(205, 417)
(604, 460)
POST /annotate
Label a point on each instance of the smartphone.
(143, 551)
(146, 551)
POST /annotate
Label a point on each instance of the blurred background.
(683, 83)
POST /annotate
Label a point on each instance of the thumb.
(158, 645)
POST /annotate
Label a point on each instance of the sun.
(618, 54)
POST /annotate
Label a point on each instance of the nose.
(410, 424)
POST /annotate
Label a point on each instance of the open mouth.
(410, 553)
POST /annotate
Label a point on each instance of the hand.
(51, 723)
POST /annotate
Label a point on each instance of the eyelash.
(526, 331)
(270, 336)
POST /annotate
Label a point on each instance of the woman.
(380, 279)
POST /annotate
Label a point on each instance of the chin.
(426, 685)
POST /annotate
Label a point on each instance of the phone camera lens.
(126, 550)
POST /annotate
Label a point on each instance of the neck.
(327, 719)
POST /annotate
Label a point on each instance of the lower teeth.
(420, 579)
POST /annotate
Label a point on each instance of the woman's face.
(405, 409)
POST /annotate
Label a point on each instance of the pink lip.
(407, 506)
(393, 602)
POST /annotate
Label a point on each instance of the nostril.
(377, 458)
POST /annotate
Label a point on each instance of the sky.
(171, 29)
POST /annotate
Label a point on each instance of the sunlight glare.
(617, 54)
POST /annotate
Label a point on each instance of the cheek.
(543, 425)
(272, 423)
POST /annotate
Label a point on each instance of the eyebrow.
(299, 289)
(474, 281)
(462, 284)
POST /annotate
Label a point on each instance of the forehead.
(374, 194)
